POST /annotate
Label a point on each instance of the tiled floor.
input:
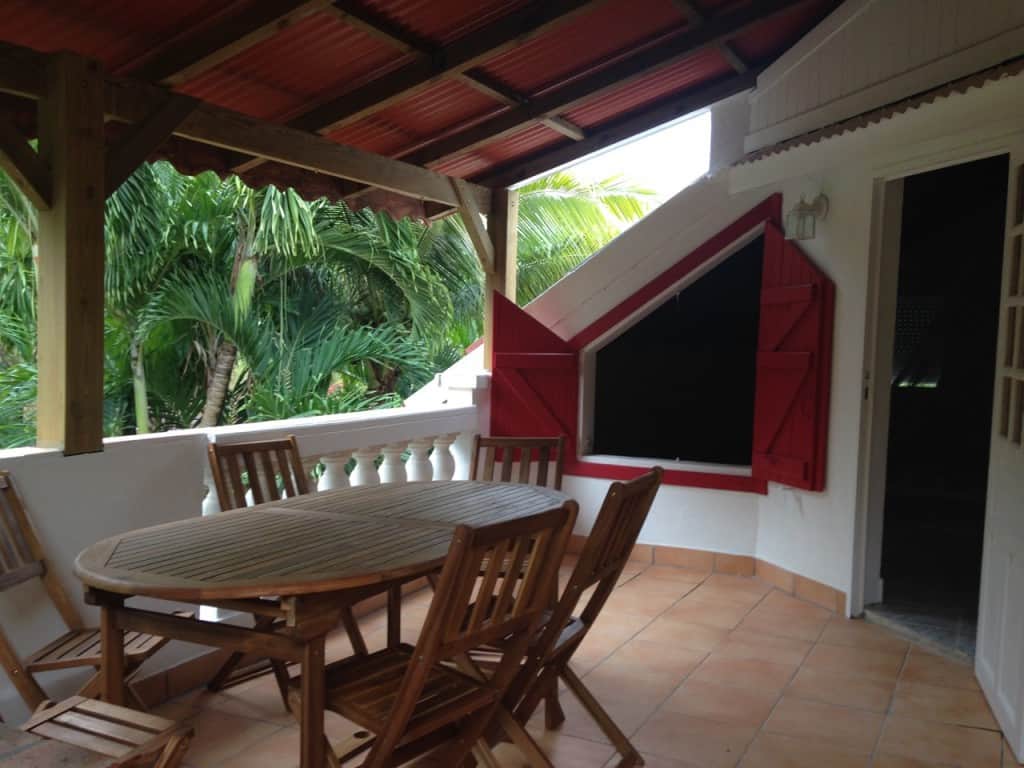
(702, 671)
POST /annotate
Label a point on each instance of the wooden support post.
(502, 226)
(70, 408)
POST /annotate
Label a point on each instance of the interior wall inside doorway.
(941, 384)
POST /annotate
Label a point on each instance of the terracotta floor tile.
(643, 659)
(638, 600)
(744, 673)
(744, 644)
(780, 625)
(220, 736)
(1009, 759)
(709, 612)
(852, 729)
(739, 583)
(656, 584)
(278, 750)
(940, 743)
(924, 667)
(778, 602)
(842, 689)
(721, 703)
(855, 662)
(893, 761)
(562, 749)
(257, 699)
(959, 706)
(695, 742)
(674, 573)
(775, 751)
(860, 634)
(727, 595)
(655, 761)
(681, 634)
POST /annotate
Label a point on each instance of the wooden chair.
(263, 470)
(513, 458)
(409, 698)
(22, 559)
(131, 738)
(600, 565)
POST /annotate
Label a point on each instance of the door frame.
(879, 340)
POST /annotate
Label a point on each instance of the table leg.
(112, 661)
(394, 615)
(312, 715)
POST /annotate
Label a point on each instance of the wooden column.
(502, 226)
(71, 255)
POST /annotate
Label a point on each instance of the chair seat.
(116, 732)
(82, 648)
(363, 689)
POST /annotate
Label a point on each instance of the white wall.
(870, 53)
(697, 518)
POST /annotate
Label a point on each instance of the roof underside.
(493, 91)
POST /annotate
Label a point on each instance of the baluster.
(365, 473)
(418, 467)
(392, 470)
(334, 475)
(441, 458)
(462, 452)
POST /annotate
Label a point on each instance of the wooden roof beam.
(458, 56)
(184, 59)
(130, 101)
(717, 29)
(620, 129)
(143, 138)
(697, 17)
(27, 170)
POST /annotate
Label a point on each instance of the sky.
(663, 160)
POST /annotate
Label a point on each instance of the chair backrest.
(480, 598)
(511, 460)
(265, 467)
(22, 557)
(605, 554)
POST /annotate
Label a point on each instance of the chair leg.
(630, 756)
(554, 716)
(173, 752)
(355, 636)
(280, 670)
(221, 679)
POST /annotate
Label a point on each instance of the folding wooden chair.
(409, 698)
(600, 565)
(265, 470)
(131, 738)
(511, 460)
(22, 559)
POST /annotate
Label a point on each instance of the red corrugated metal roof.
(324, 55)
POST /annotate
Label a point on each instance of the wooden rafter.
(714, 31)
(620, 129)
(697, 17)
(475, 225)
(182, 60)
(144, 137)
(465, 53)
(131, 101)
(24, 166)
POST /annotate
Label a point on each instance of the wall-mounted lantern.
(801, 221)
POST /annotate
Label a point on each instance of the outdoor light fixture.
(802, 218)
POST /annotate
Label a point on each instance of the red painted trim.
(770, 209)
(711, 480)
(538, 360)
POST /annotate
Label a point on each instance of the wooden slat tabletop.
(321, 542)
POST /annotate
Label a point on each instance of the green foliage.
(323, 309)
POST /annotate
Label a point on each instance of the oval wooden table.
(300, 560)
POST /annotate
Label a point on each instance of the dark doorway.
(950, 269)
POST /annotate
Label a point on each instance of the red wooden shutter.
(534, 379)
(794, 367)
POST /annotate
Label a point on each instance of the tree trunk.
(217, 388)
(139, 393)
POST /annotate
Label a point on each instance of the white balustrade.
(392, 470)
(441, 459)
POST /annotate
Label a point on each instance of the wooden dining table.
(300, 561)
